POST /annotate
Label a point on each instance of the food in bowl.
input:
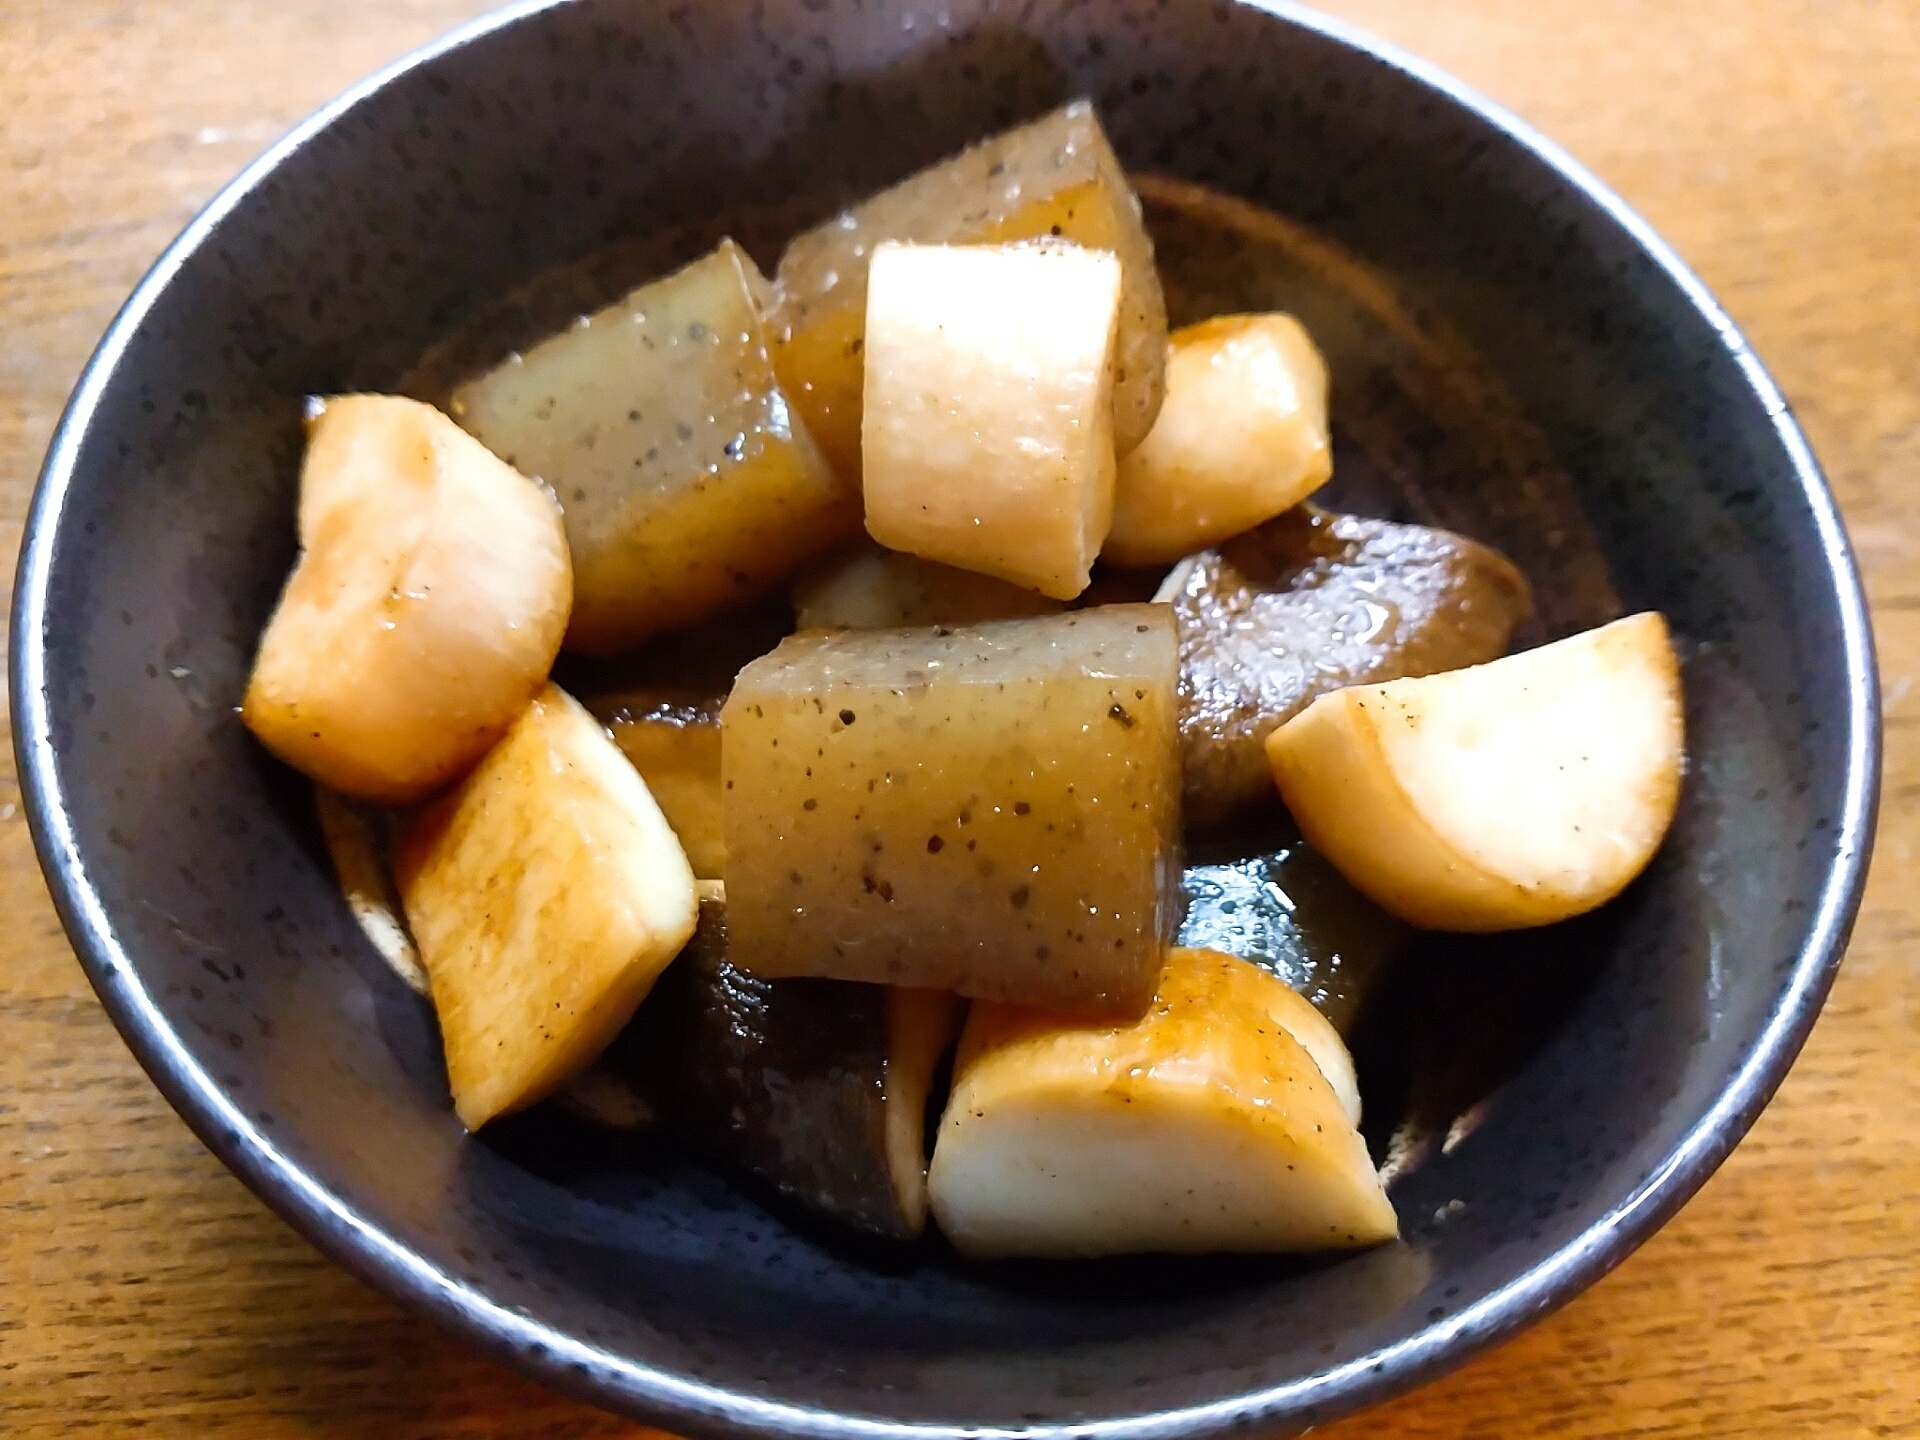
(948, 814)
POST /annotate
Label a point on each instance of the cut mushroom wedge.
(427, 606)
(1242, 436)
(359, 842)
(546, 893)
(1314, 1033)
(1223, 1119)
(1512, 794)
(987, 436)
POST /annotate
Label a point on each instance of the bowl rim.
(332, 1224)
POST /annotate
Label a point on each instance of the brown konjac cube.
(673, 740)
(990, 809)
(661, 703)
(872, 588)
(1055, 177)
(687, 482)
(818, 1088)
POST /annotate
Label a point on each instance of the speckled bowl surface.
(187, 871)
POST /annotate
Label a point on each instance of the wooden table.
(1775, 142)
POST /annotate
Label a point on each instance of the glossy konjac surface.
(990, 809)
(1189, 1326)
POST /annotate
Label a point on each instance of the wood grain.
(1775, 142)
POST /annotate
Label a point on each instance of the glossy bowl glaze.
(187, 871)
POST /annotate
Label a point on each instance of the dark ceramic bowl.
(184, 862)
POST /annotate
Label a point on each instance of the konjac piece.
(988, 434)
(545, 893)
(871, 588)
(673, 740)
(1223, 1119)
(1305, 604)
(1241, 436)
(423, 613)
(816, 1087)
(989, 809)
(661, 703)
(1517, 793)
(688, 484)
(1055, 177)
